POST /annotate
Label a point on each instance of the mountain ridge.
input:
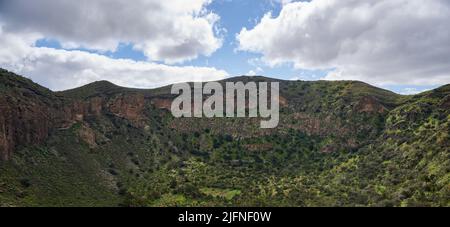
(91, 99)
(102, 144)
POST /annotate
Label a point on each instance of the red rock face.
(161, 103)
(28, 121)
(283, 101)
(88, 136)
(130, 107)
(95, 106)
(370, 105)
(22, 122)
(5, 150)
(78, 110)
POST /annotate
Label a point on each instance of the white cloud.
(251, 73)
(380, 42)
(61, 69)
(283, 2)
(254, 72)
(412, 91)
(170, 31)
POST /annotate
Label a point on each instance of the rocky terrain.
(342, 143)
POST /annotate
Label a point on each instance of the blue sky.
(236, 57)
(234, 15)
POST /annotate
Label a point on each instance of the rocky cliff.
(340, 143)
(29, 112)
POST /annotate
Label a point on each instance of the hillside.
(339, 143)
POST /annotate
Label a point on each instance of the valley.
(338, 143)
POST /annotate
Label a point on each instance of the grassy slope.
(405, 162)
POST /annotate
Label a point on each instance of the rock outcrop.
(22, 121)
(130, 107)
(29, 113)
(29, 120)
(88, 136)
(162, 103)
(369, 104)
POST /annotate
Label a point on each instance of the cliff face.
(95, 144)
(29, 113)
(5, 135)
(126, 106)
(162, 103)
(369, 104)
(22, 122)
(29, 122)
(130, 107)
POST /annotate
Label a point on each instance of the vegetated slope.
(414, 152)
(341, 143)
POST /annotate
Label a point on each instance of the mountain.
(339, 143)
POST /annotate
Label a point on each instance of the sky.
(400, 45)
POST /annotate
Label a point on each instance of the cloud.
(170, 31)
(412, 91)
(381, 42)
(62, 69)
(255, 72)
(283, 2)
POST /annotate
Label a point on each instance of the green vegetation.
(338, 144)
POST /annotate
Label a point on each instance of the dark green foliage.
(327, 151)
